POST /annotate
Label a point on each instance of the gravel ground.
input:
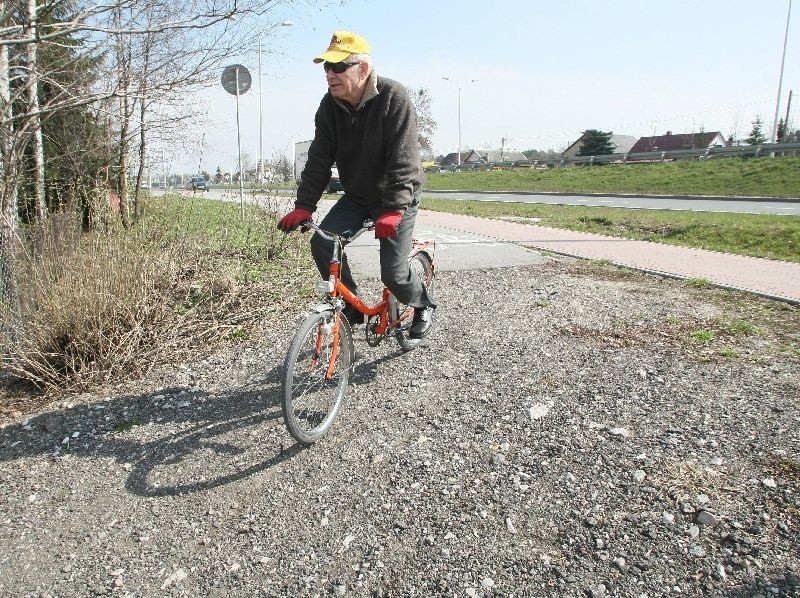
(568, 429)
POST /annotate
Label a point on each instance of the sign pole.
(239, 145)
(236, 81)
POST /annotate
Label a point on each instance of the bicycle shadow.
(365, 370)
(165, 442)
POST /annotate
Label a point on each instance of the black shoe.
(353, 315)
(422, 323)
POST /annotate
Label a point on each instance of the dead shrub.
(98, 306)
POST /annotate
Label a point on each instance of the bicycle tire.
(421, 263)
(311, 402)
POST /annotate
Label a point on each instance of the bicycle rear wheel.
(312, 395)
(422, 264)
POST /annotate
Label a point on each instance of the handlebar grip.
(345, 236)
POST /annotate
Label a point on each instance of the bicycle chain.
(373, 340)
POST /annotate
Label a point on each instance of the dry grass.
(94, 307)
(753, 328)
(685, 480)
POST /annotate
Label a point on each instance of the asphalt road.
(790, 207)
(455, 250)
(787, 207)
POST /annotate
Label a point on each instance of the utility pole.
(788, 107)
(459, 85)
(780, 78)
(260, 120)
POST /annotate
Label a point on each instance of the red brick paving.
(770, 278)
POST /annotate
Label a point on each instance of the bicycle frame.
(334, 288)
(337, 291)
(320, 358)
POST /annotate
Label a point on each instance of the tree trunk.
(34, 121)
(124, 74)
(9, 303)
(8, 186)
(143, 99)
(122, 163)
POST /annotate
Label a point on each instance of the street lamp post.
(780, 78)
(261, 110)
(459, 85)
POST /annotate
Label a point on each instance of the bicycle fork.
(329, 286)
(322, 331)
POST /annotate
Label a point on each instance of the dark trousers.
(395, 273)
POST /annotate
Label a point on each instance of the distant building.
(622, 145)
(681, 141)
(469, 156)
(500, 156)
(485, 156)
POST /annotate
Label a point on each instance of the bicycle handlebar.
(346, 236)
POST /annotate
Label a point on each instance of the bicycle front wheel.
(313, 389)
(422, 265)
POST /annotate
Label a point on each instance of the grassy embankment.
(767, 236)
(762, 177)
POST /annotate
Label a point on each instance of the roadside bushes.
(94, 307)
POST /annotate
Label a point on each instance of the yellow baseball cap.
(343, 43)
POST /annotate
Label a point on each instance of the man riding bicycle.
(366, 124)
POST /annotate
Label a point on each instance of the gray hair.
(360, 58)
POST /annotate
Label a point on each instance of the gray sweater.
(375, 147)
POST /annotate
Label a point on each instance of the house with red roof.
(681, 141)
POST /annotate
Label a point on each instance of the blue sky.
(545, 70)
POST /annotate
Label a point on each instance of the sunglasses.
(338, 67)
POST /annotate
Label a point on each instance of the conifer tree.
(596, 143)
(756, 136)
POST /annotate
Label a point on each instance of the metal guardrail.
(756, 151)
(765, 149)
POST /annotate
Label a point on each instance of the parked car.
(335, 185)
(199, 183)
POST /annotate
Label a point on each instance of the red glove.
(386, 225)
(294, 219)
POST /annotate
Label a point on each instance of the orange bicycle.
(321, 355)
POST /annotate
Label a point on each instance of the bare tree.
(283, 167)
(178, 44)
(34, 119)
(8, 190)
(158, 48)
(426, 126)
(144, 87)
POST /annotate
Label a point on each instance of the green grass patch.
(757, 235)
(759, 177)
(739, 327)
(703, 336)
(698, 283)
(791, 351)
(128, 424)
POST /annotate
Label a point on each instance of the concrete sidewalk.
(774, 279)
